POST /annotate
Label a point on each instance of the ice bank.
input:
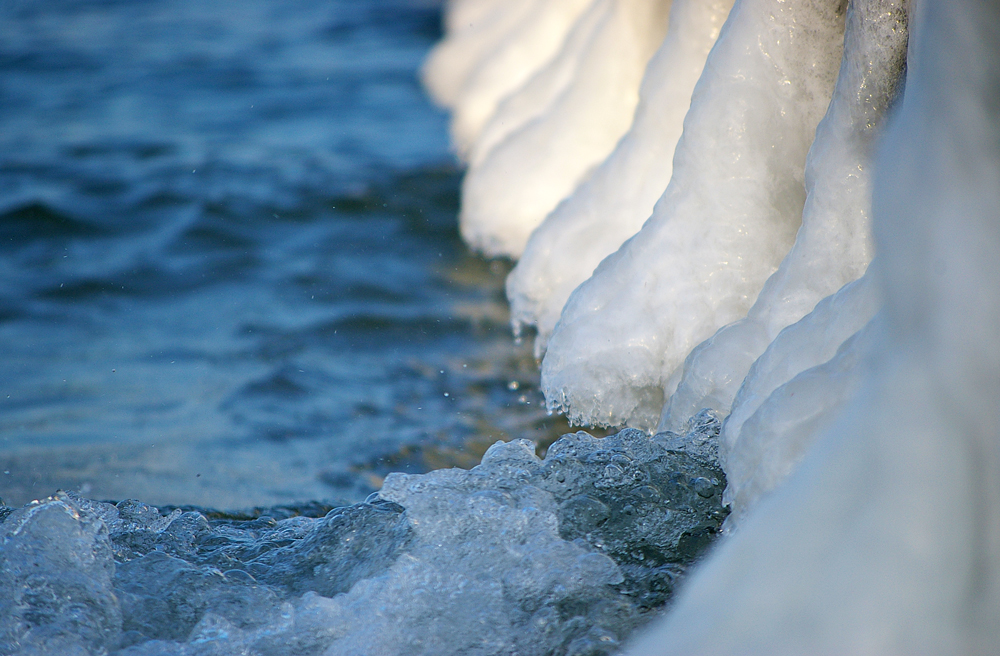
(885, 540)
(764, 212)
(745, 291)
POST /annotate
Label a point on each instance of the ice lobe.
(534, 41)
(833, 246)
(801, 381)
(614, 201)
(886, 540)
(511, 187)
(773, 441)
(532, 99)
(726, 220)
(520, 555)
(473, 29)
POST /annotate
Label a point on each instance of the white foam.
(886, 540)
(515, 184)
(613, 203)
(721, 228)
(833, 245)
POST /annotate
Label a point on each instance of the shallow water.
(231, 270)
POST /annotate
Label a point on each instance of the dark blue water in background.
(230, 273)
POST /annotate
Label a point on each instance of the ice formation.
(797, 386)
(611, 205)
(550, 133)
(886, 539)
(832, 246)
(533, 42)
(473, 28)
(565, 555)
(724, 223)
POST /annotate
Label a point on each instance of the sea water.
(231, 268)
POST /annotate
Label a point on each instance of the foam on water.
(611, 205)
(833, 246)
(512, 186)
(721, 228)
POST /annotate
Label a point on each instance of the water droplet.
(703, 487)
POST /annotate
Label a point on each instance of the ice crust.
(886, 540)
(723, 225)
(559, 125)
(614, 201)
(565, 555)
(833, 245)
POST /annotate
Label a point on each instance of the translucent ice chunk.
(520, 555)
(611, 205)
(508, 192)
(721, 228)
(833, 245)
(56, 593)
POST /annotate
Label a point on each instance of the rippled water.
(231, 274)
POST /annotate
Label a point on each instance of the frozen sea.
(230, 273)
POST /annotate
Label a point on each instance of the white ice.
(801, 381)
(611, 205)
(566, 120)
(533, 42)
(833, 245)
(533, 98)
(473, 29)
(723, 225)
(886, 539)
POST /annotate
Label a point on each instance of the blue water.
(230, 273)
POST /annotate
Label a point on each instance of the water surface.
(231, 274)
